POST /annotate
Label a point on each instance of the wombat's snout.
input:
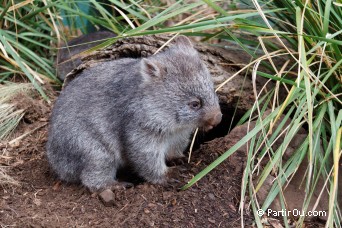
(212, 119)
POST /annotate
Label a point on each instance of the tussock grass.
(9, 114)
(5, 179)
(308, 35)
(26, 34)
(9, 90)
(9, 119)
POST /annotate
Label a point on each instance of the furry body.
(136, 112)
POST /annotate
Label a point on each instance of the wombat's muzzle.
(212, 119)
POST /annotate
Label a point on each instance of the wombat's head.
(181, 87)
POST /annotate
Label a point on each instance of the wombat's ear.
(183, 44)
(183, 41)
(152, 69)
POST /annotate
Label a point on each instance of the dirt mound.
(40, 200)
(35, 109)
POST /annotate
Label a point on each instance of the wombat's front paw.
(121, 186)
(173, 172)
(168, 180)
(176, 162)
(170, 184)
(162, 180)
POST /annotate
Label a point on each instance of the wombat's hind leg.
(99, 174)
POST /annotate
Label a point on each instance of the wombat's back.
(85, 114)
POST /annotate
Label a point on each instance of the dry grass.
(10, 117)
(5, 179)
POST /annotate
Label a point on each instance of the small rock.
(151, 205)
(37, 202)
(211, 196)
(107, 197)
(173, 202)
(147, 211)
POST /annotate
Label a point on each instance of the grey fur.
(130, 111)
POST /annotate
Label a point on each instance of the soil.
(40, 200)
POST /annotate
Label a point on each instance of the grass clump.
(306, 36)
(27, 31)
(5, 179)
(9, 114)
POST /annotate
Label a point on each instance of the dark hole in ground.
(229, 121)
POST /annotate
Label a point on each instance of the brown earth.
(42, 201)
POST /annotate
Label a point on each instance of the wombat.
(135, 112)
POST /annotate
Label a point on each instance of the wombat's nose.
(214, 119)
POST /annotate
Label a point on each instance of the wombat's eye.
(195, 104)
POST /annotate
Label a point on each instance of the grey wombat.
(136, 112)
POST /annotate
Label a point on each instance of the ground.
(40, 200)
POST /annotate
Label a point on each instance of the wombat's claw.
(176, 162)
(173, 172)
(121, 186)
(170, 183)
(172, 169)
(172, 180)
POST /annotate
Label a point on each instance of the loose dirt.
(42, 201)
